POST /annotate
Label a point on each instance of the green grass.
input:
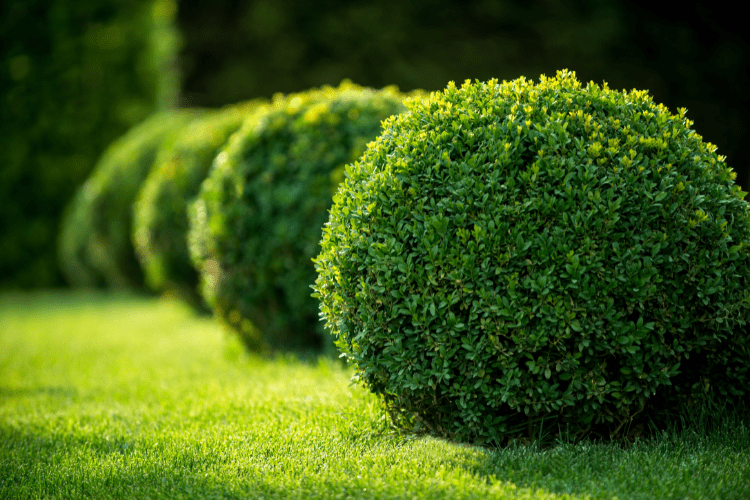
(115, 396)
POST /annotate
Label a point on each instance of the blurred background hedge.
(95, 247)
(76, 75)
(691, 56)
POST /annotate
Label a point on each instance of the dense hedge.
(76, 75)
(256, 225)
(509, 259)
(160, 222)
(95, 239)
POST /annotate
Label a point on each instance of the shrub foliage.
(514, 258)
(256, 224)
(76, 75)
(160, 222)
(95, 246)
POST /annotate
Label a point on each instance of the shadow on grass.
(235, 350)
(89, 466)
(21, 392)
(705, 455)
(708, 460)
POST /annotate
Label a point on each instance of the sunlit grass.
(116, 396)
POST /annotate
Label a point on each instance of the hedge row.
(257, 223)
(95, 240)
(160, 223)
(257, 179)
(497, 261)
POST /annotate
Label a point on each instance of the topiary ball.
(256, 224)
(509, 259)
(160, 222)
(95, 246)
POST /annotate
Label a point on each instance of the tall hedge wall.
(75, 75)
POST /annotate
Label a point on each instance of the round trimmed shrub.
(95, 247)
(514, 259)
(256, 224)
(160, 222)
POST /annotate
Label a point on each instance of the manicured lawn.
(117, 396)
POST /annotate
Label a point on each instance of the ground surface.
(115, 396)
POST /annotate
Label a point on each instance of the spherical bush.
(515, 258)
(95, 247)
(160, 222)
(257, 222)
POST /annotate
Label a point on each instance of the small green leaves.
(265, 202)
(570, 254)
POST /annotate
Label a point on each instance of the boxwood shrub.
(95, 245)
(160, 222)
(256, 224)
(511, 259)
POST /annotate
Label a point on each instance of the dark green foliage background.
(95, 245)
(687, 56)
(75, 75)
(508, 254)
(256, 225)
(160, 221)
